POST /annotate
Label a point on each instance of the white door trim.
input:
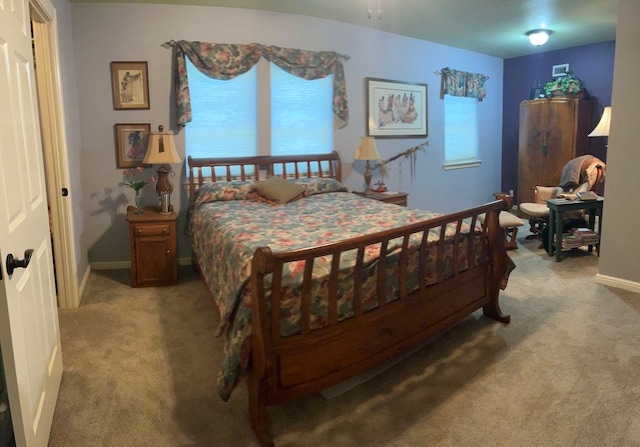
(43, 16)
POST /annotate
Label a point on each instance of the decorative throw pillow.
(222, 191)
(280, 190)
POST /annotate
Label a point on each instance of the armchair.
(580, 174)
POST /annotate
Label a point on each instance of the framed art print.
(131, 144)
(396, 109)
(130, 85)
(559, 70)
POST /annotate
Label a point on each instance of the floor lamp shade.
(602, 129)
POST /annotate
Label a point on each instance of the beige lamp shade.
(161, 149)
(367, 149)
(602, 129)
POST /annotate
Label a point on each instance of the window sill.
(461, 165)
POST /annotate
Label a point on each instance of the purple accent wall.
(593, 64)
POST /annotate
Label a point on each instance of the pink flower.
(131, 179)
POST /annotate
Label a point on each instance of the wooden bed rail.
(284, 367)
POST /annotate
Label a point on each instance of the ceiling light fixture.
(538, 37)
(370, 9)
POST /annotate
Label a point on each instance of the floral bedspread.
(226, 229)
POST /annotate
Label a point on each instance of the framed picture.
(130, 85)
(131, 144)
(559, 70)
(396, 109)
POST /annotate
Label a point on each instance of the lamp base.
(165, 212)
(367, 179)
(164, 189)
(165, 206)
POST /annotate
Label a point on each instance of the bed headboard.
(203, 170)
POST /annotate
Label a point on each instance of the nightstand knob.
(165, 231)
(139, 231)
(168, 252)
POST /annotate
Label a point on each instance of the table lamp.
(161, 150)
(367, 151)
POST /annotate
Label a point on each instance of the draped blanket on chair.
(580, 170)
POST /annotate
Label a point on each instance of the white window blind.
(225, 120)
(224, 115)
(460, 131)
(301, 114)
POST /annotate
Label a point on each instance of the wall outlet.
(511, 193)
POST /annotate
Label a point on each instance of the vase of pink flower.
(132, 180)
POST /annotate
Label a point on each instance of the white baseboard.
(83, 284)
(116, 265)
(618, 283)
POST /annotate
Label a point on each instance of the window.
(224, 115)
(460, 132)
(226, 122)
(301, 114)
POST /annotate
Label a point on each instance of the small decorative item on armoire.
(567, 85)
(537, 91)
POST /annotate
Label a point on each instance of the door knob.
(13, 263)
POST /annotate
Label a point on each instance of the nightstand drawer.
(152, 229)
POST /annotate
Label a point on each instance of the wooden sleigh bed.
(304, 318)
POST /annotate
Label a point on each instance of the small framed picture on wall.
(131, 144)
(130, 85)
(559, 70)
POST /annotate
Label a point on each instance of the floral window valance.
(226, 61)
(462, 83)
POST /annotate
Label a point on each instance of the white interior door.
(29, 331)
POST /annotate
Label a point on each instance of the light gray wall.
(134, 32)
(620, 258)
(72, 132)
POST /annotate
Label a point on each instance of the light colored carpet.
(140, 369)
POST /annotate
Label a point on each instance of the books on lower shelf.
(577, 237)
(587, 235)
(570, 240)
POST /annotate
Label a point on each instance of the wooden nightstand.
(154, 260)
(397, 198)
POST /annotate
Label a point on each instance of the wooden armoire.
(552, 132)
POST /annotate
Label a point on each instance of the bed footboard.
(322, 355)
